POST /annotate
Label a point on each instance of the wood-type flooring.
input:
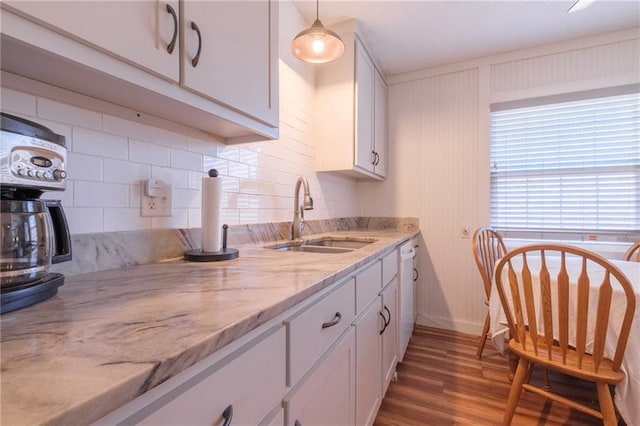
(441, 382)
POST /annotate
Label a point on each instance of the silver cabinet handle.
(336, 320)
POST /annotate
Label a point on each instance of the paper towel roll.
(211, 220)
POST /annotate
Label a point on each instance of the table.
(627, 393)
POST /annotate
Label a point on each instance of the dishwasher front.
(407, 292)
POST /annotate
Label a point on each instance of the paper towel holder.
(197, 255)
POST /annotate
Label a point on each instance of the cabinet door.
(390, 334)
(238, 61)
(137, 32)
(364, 109)
(252, 384)
(326, 396)
(368, 364)
(380, 126)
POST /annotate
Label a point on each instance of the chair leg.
(483, 336)
(607, 408)
(516, 390)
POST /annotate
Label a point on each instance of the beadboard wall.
(439, 154)
(110, 157)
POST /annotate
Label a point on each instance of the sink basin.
(324, 245)
(314, 249)
(343, 242)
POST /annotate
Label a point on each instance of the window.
(567, 166)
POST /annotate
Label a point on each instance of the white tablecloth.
(627, 393)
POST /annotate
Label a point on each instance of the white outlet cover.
(159, 205)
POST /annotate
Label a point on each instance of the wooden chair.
(488, 247)
(633, 254)
(534, 339)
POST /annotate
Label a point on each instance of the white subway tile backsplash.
(181, 159)
(248, 157)
(195, 180)
(84, 167)
(220, 164)
(148, 153)
(179, 219)
(15, 103)
(176, 178)
(203, 147)
(65, 113)
(167, 138)
(194, 218)
(230, 184)
(135, 195)
(228, 152)
(187, 198)
(86, 141)
(239, 170)
(98, 194)
(66, 196)
(124, 219)
(84, 220)
(121, 127)
(119, 171)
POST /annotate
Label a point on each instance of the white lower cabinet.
(243, 392)
(326, 361)
(368, 364)
(376, 334)
(326, 395)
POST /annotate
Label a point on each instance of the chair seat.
(605, 372)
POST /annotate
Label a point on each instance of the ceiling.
(411, 35)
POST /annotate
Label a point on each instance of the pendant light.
(317, 44)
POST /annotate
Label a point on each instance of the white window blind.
(570, 167)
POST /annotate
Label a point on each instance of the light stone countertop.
(109, 336)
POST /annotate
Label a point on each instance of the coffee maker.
(34, 232)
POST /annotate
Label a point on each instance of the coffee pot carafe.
(34, 232)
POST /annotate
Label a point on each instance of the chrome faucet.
(298, 210)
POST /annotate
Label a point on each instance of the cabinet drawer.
(368, 285)
(389, 267)
(252, 383)
(315, 329)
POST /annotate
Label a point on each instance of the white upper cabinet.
(351, 104)
(234, 42)
(138, 32)
(140, 55)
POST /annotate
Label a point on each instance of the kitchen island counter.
(110, 336)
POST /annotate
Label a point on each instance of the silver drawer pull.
(336, 320)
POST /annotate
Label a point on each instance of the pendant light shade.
(317, 44)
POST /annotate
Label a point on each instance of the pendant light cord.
(317, 9)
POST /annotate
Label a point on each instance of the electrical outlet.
(465, 231)
(156, 199)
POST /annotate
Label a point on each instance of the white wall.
(439, 154)
(109, 157)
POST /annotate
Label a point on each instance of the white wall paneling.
(438, 134)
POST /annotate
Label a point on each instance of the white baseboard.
(449, 324)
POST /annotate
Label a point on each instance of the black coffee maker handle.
(61, 237)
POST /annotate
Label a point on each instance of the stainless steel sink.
(314, 249)
(324, 245)
(343, 242)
